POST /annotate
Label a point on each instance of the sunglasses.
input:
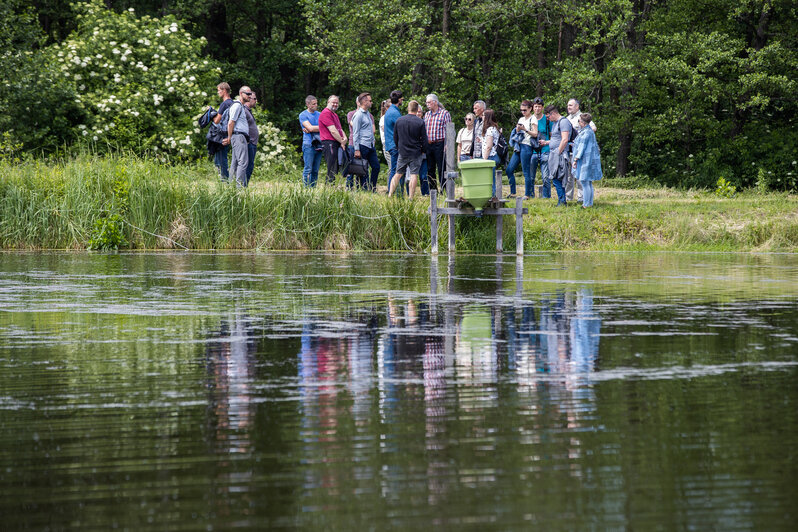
(469, 119)
(248, 93)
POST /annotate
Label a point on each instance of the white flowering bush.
(139, 80)
(274, 149)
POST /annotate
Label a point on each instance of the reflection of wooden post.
(519, 225)
(499, 218)
(450, 203)
(433, 219)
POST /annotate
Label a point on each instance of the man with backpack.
(561, 131)
(238, 136)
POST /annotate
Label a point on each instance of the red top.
(329, 118)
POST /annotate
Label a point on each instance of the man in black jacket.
(410, 136)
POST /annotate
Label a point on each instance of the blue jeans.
(560, 188)
(541, 159)
(587, 192)
(370, 154)
(526, 168)
(253, 150)
(312, 158)
(422, 178)
(220, 160)
(496, 159)
(394, 158)
(515, 160)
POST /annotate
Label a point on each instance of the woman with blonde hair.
(465, 138)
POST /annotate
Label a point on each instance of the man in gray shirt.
(238, 136)
(363, 138)
(561, 131)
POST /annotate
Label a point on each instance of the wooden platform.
(460, 207)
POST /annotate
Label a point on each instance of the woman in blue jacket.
(587, 160)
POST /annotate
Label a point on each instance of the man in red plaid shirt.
(435, 119)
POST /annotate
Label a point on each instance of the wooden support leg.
(499, 221)
(519, 226)
(433, 219)
(450, 196)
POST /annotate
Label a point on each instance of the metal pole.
(519, 225)
(499, 222)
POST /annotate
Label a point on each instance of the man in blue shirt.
(540, 155)
(311, 151)
(391, 116)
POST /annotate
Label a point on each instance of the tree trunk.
(541, 53)
(447, 16)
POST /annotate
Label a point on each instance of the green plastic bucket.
(477, 177)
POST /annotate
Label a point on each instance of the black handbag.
(358, 167)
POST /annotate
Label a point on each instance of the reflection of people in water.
(230, 361)
(585, 330)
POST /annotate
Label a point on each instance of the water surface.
(372, 391)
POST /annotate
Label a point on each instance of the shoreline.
(120, 203)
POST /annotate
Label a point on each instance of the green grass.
(127, 202)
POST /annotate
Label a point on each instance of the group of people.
(413, 145)
(239, 136)
(563, 148)
(417, 145)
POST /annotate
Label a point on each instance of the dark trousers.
(330, 149)
(435, 164)
(220, 160)
(253, 150)
(370, 154)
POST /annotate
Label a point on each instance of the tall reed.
(130, 202)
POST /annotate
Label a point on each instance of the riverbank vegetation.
(92, 202)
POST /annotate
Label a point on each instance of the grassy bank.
(104, 203)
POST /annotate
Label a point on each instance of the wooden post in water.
(433, 219)
(519, 225)
(499, 218)
(450, 203)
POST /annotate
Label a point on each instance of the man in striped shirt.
(435, 120)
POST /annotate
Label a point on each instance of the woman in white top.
(465, 137)
(490, 139)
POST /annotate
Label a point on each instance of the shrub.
(139, 80)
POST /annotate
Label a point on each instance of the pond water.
(373, 391)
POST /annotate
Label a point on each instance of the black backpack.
(502, 149)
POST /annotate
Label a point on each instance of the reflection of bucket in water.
(476, 350)
(475, 329)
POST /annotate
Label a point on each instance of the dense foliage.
(685, 92)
